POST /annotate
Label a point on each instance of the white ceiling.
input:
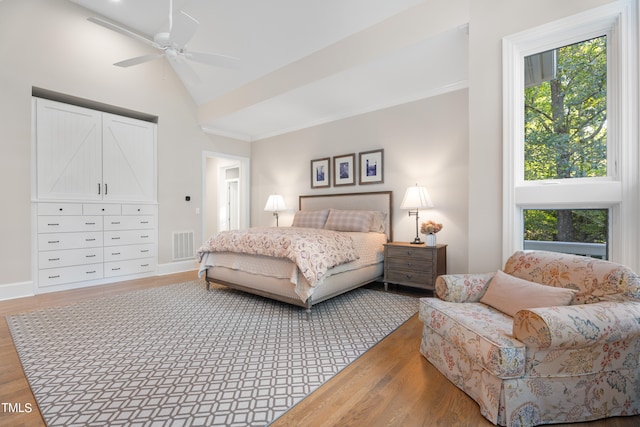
(305, 62)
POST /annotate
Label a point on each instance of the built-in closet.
(95, 210)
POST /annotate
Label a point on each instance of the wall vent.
(183, 245)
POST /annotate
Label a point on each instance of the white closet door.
(69, 152)
(129, 162)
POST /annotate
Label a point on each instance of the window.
(570, 142)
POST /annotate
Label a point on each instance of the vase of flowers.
(429, 229)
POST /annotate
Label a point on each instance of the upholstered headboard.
(374, 201)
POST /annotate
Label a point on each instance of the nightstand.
(414, 265)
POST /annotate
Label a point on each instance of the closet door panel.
(128, 158)
(69, 152)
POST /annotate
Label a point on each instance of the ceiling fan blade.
(213, 59)
(138, 60)
(183, 29)
(186, 73)
(122, 30)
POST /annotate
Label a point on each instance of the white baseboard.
(176, 267)
(16, 290)
(25, 289)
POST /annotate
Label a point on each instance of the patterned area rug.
(179, 355)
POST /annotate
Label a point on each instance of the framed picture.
(321, 173)
(372, 167)
(344, 170)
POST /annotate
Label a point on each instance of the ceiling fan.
(171, 44)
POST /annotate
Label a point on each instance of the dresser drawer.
(138, 209)
(122, 268)
(101, 209)
(69, 257)
(57, 241)
(59, 209)
(128, 237)
(119, 253)
(129, 222)
(409, 252)
(79, 273)
(60, 224)
(407, 263)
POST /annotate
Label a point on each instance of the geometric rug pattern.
(180, 355)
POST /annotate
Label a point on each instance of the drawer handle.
(91, 272)
(409, 264)
(89, 240)
(144, 237)
(54, 277)
(115, 238)
(408, 276)
(115, 269)
(90, 256)
(53, 241)
(144, 265)
(54, 259)
(409, 253)
(115, 253)
(142, 251)
(89, 223)
(115, 222)
(51, 225)
(144, 222)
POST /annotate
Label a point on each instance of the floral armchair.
(573, 359)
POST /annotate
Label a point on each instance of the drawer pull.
(54, 259)
(51, 225)
(144, 222)
(89, 223)
(144, 265)
(53, 241)
(54, 277)
(115, 238)
(91, 272)
(115, 253)
(142, 251)
(115, 269)
(144, 237)
(115, 222)
(90, 256)
(89, 240)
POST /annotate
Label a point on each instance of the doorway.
(225, 193)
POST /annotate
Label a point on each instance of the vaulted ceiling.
(306, 62)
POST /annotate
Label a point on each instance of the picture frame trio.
(371, 169)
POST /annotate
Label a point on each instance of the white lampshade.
(416, 198)
(275, 203)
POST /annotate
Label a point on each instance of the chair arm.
(577, 326)
(462, 287)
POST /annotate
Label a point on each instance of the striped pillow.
(340, 220)
(310, 219)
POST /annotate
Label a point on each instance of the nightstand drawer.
(409, 252)
(409, 264)
(407, 277)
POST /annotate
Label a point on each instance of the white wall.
(491, 20)
(424, 142)
(50, 44)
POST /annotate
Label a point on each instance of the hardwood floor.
(390, 385)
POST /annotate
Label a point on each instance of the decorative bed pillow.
(348, 220)
(511, 294)
(310, 219)
(378, 222)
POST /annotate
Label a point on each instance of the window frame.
(618, 191)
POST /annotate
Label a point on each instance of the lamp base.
(417, 241)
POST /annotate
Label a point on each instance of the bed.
(280, 267)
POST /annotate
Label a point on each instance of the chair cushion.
(479, 331)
